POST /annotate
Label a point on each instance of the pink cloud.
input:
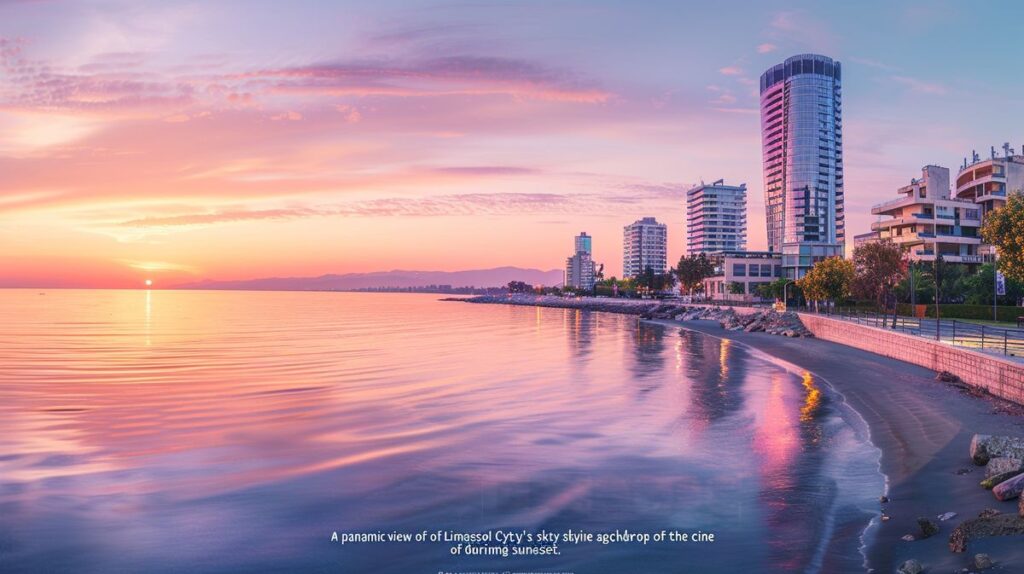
(730, 71)
(457, 75)
(766, 48)
(291, 116)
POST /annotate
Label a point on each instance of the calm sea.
(161, 431)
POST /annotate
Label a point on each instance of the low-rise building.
(865, 238)
(927, 221)
(746, 270)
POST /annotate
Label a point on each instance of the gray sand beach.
(924, 429)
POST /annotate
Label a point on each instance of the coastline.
(922, 427)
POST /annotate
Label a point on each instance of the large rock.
(1020, 507)
(1009, 489)
(1002, 465)
(985, 447)
(982, 562)
(910, 567)
(987, 524)
(991, 482)
(928, 528)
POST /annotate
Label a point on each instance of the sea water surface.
(174, 431)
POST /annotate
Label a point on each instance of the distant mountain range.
(496, 277)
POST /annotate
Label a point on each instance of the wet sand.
(923, 429)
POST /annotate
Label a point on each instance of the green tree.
(1004, 228)
(737, 288)
(828, 280)
(692, 270)
(879, 268)
(924, 286)
(979, 288)
(519, 287)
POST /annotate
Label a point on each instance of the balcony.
(891, 204)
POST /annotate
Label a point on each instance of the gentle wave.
(226, 431)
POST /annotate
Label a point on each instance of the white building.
(716, 218)
(644, 244)
(579, 269)
(988, 181)
(742, 272)
(926, 221)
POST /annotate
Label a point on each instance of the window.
(739, 269)
(766, 270)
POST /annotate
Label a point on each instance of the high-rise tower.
(802, 151)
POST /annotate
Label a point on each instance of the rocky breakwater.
(621, 306)
(760, 320)
(756, 320)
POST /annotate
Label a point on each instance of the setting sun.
(149, 282)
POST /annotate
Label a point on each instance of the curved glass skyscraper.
(802, 147)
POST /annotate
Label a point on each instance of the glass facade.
(801, 136)
(584, 243)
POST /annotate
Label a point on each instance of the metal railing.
(979, 337)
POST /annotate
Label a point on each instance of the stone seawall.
(1001, 377)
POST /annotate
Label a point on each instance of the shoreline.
(833, 553)
(921, 427)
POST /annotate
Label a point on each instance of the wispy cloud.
(616, 194)
(766, 48)
(730, 71)
(921, 86)
(873, 63)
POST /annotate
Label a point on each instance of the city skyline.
(156, 142)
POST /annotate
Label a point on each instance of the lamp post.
(995, 285)
(785, 287)
(935, 274)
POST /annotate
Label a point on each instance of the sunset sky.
(181, 141)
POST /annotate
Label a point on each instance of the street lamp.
(935, 275)
(785, 300)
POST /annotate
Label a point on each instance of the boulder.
(1002, 465)
(910, 567)
(982, 561)
(946, 516)
(985, 447)
(986, 525)
(1009, 489)
(928, 528)
(991, 482)
(1020, 507)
